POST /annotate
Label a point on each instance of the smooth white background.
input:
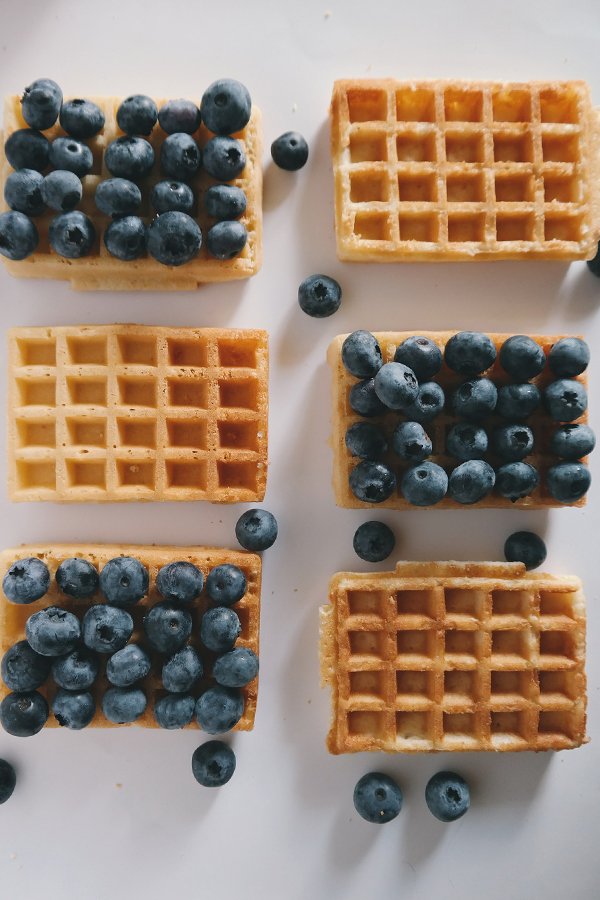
(117, 814)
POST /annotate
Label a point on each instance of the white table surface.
(117, 814)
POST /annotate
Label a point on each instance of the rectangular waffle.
(14, 616)
(130, 412)
(454, 656)
(343, 416)
(101, 271)
(461, 170)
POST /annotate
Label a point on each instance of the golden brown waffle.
(14, 616)
(460, 170)
(343, 416)
(101, 271)
(130, 412)
(454, 656)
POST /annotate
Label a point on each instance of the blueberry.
(289, 151)
(366, 441)
(174, 238)
(447, 796)
(373, 541)
(219, 709)
(512, 442)
(27, 580)
(137, 114)
(23, 669)
(8, 780)
(372, 482)
(76, 671)
(569, 357)
(67, 153)
(124, 581)
(568, 481)
(180, 581)
(182, 670)
(213, 764)
(172, 195)
(129, 157)
(106, 628)
(23, 714)
(594, 264)
(219, 629)
(319, 296)
(223, 158)
(225, 201)
(128, 665)
(61, 190)
(396, 385)
(515, 480)
(53, 631)
(411, 442)
(27, 149)
(18, 235)
(525, 547)
(377, 798)
(123, 705)
(466, 441)
(180, 156)
(429, 403)
(475, 399)
(126, 238)
(236, 668)
(421, 355)
(469, 353)
(226, 239)
(565, 399)
(23, 192)
(226, 585)
(41, 102)
(361, 354)
(77, 578)
(73, 709)
(226, 106)
(118, 197)
(517, 401)
(256, 529)
(179, 115)
(72, 234)
(174, 710)
(522, 357)
(424, 484)
(167, 627)
(81, 119)
(471, 481)
(572, 441)
(364, 401)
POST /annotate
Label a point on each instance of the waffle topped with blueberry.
(459, 420)
(133, 194)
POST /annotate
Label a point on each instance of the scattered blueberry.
(118, 197)
(123, 705)
(81, 119)
(411, 442)
(180, 156)
(569, 357)
(174, 710)
(26, 581)
(512, 442)
(223, 158)
(377, 798)
(522, 357)
(525, 547)
(182, 670)
(594, 264)
(372, 482)
(137, 114)
(225, 201)
(73, 709)
(53, 631)
(364, 401)
(226, 106)
(129, 157)
(174, 238)
(8, 780)
(23, 714)
(256, 529)
(471, 481)
(172, 195)
(424, 484)
(179, 116)
(469, 353)
(67, 153)
(213, 764)
(516, 480)
(319, 296)
(421, 355)
(181, 582)
(361, 353)
(568, 481)
(72, 234)
(220, 627)
(428, 404)
(475, 399)
(226, 239)
(124, 581)
(517, 401)
(226, 585)
(126, 238)
(27, 149)
(23, 669)
(565, 399)
(77, 578)
(167, 627)
(447, 796)
(61, 190)
(365, 440)
(219, 709)
(76, 671)
(396, 385)
(40, 103)
(18, 235)
(23, 192)
(289, 151)
(236, 668)
(106, 629)
(573, 441)
(466, 441)
(373, 541)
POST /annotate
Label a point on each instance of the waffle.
(459, 170)
(129, 412)
(101, 271)
(343, 416)
(454, 656)
(13, 616)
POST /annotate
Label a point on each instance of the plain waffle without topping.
(458, 170)
(454, 656)
(129, 412)
(343, 416)
(101, 271)
(14, 616)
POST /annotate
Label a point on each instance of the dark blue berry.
(226, 239)
(61, 190)
(411, 442)
(73, 709)
(172, 195)
(174, 710)
(167, 627)
(106, 629)
(568, 481)
(361, 354)
(512, 442)
(226, 585)
(447, 796)
(126, 238)
(23, 669)
(522, 357)
(475, 399)
(27, 149)
(18, 235)
(23, 192)
(124, 581)
(8, 780)
(396, 385)
(23, 714)
(118, 197)
(219, 709)
(469, 353)
(129, 157)
(179, 115)
(81, 119)
(377, 798)
(471, 481)
(223, 158)
(516, 480)
(123, 705)
(236, 668)
(181, 582)
(72, 234)
(421, 355)
(77, 578)
(569, 357)
(27, 580)
(182, 670)
(226, 106)
(256, 529)
(517, 401)
(424, 484)
(365, 440)
(40, 103)
(594, 264)
(213, 764)
(373, 541)
(76, 671)
(319, 296)
(372, 482)
(428, 404)
(53, 631)
(225, 201)
(219, 629)
(525, 547)
(364, 401)
(174, 238)
(137, 114)
(289, 151)
(565, 399)
(573, 441)
(466, 441)
(67, 153)
(180, 156)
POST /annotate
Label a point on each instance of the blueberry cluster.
(48, 175)
(489, 439)
(378, 798)
(201, 669)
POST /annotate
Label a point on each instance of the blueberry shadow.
(278, 184)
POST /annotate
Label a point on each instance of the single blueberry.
(179, 116)
(23, 714)
(223, 158)
(137, 114)
(569, 357)
(61, 190)
(76, 671)
(23, 192)
(365, 440)
(77, 578)
(515, 480)
(428, 404)
(372, 482)
(319, 296)
(67, 153)
(522, 357)
(565, 399)
(361, 354)
(411, 442)
(226, 239)
(126, 238)
(517, 401)
(525, 547)
(182, 670)
(27, 149)
(118, 197)
(72, 234)
(40, 103)
(225, 201)
(213, 764)
(180, 156)
(396, 385)
(572, 441)
(377, 798)
(373, 541)
(172, 195)
(23, 669)
(174, 710)
(568, 481)
(174, 238)
(289, 151)
(123, 705)
(180, 581)
(167, 627)
(81, 119)
(106, 629)
(220, 627)
(226, 106)
(469, 353)
(421, 355)
(124, 581)
(26, 581)
(466, 441)
(73, 709)
(18, 235)
(475, 399)
(53, 631)
(129, 157)
(8, 780)
(236, 668)
(471, 481)
(226, 585)
(219, 709)
(424, 484)
(447, 796)
(594, 264)
(512, 442)
(256, 529)
(364, 401)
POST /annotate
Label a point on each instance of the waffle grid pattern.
(465, 170)
(13, 616)
(455, 657)
(127, 412)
